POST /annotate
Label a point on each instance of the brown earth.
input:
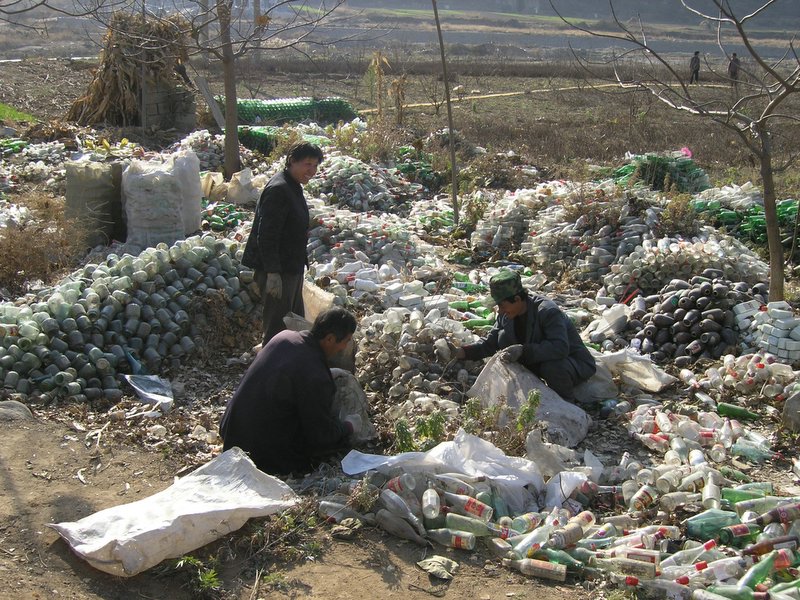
(50, 474)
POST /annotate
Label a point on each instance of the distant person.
(533, 331)
(694, 68)
(276, 248)
(281, 413)
(733, 71)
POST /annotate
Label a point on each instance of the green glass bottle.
(733, 592)
(735, 474)
(734, 495)
(759, 571)
(739, 535)
(732, 410)
(706, 525)
(559, 556)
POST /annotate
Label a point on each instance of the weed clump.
(36, 251)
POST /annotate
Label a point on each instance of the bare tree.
(451, 131)
(755, 108)
(225, 31)
(27, 14)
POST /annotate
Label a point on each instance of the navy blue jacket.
(549, 335)
(278, 238)
(281, 412)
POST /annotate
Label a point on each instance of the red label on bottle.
(505, 533)
(459, 542)
(739, 530)
(474, 507)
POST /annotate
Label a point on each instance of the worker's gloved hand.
(274, 285)
(512, 353)
(457, 353)
(353, 422)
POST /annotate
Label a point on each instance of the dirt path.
(43, 467)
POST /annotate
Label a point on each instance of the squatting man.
(282, 412)
(533, 331)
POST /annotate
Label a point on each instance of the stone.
(12, 410)
(791, 412)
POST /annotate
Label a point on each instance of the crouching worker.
(281, 413)
(535, 332)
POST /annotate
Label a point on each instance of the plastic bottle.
(469, 506)
(538, 568)
(452, 538)
(431, 503)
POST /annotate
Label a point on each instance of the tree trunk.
(771, 218)
(452, 136)
(231, 164)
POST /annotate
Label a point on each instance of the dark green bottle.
(739, 535)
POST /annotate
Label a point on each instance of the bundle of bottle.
(685, 321)
(718, 552)
(660, 261)
(345, 180)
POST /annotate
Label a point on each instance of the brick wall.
(170, 108)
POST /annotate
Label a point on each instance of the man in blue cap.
(532, 330)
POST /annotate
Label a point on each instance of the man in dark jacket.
(535, 332)
(281, 412)
(276, 248)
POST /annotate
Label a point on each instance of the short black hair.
(337, 321)
(302, 150)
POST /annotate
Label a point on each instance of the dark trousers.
(562, 376)
(695, 78)
(275, 309)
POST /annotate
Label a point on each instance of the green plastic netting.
(292, 110)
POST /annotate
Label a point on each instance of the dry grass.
(42, 250)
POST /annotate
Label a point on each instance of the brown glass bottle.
(784, 541)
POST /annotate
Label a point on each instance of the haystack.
(113, 96)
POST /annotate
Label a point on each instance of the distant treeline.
(784, 14)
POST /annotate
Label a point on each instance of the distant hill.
(784, 14)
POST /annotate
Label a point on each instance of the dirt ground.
(42, 463)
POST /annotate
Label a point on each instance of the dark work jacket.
(281, 412)
(549, 335)
(278, 238)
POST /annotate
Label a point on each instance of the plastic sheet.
(566, 423)
(210, 502)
